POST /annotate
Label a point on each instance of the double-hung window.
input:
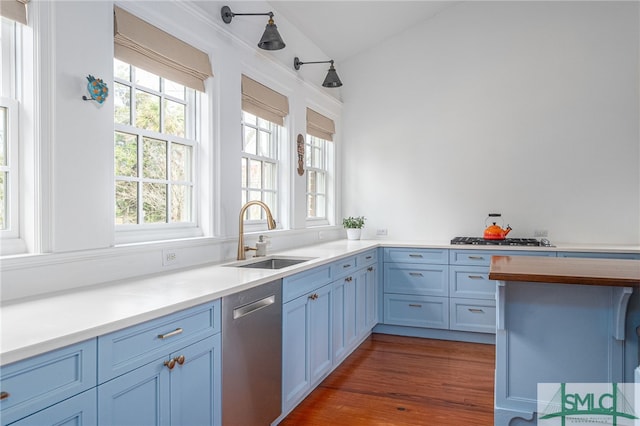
(317, 172)
(12, 73)
(318, 158)
(263, 135)
(260, 153)
(158, 80)
(155, 148)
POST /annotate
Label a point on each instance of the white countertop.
(34, 326)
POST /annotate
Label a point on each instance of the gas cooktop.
(505, 242)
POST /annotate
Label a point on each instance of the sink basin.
(270, 262)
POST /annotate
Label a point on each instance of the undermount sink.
(271, 262)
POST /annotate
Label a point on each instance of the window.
(155, 149)
(316, 163)
(259, 165)
(11, 72)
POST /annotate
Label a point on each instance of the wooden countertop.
(608, 272)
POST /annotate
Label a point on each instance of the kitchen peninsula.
(559, 320)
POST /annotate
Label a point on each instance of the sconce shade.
(271, 39)
(332, 79)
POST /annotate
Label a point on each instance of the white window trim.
(329, 170)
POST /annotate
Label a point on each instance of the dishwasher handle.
(250, 308)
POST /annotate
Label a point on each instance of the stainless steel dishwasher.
(252, 356)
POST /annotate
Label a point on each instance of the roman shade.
(143, 45)
(15, 10)
(264, 102)
(320, 126)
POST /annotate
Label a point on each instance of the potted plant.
(354, 226)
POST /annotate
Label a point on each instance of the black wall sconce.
(331, 80)
(270, 40)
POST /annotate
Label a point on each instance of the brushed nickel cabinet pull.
(370, 268)
(4, 395)
(368, 257)
(476, 277)
(314, 296)
(416, 274)
(476, 257)
(180, 359)
(170, 364)
(476, 310)
(348, 265)
(415, 305)
(348, 279)
(170, 334)
(415, 255)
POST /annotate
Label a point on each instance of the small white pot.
(354, 233)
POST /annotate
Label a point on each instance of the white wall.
(530, 109)
(76, 219)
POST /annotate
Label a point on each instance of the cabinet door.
(344, 316)
(140, 397)
(76, 411)
(319, 330)
(372, 298)
(295, 351)
(361, 303)
(196, 385)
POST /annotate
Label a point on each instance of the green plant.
(353, 222)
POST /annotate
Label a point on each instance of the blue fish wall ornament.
(98, 89)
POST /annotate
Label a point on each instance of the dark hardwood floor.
(395, 380)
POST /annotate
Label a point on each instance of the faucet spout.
(271, 224)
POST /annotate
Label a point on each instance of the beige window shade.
(320, 126)
(264, 102)
(15, 10)
(141, 44)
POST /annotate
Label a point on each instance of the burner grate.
(506, 242)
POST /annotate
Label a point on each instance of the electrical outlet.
(382, 232)
(169, 257)
(540, 233)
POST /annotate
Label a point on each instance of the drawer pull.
(416, 255)
(415, 305)
(369, 257)
(370, 268)
(4, 395)
(314, 296)
(348, 279)
(476, 277)
(170, 364)
(476, 257)
(476, 311)
(180, 359)
(170, 334)
(348, 265)
(416, 274)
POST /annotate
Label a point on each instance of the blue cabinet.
(306, 340)
(165, 371)
(36, 383)
(600, 255)
(344, 316)
(79, 410)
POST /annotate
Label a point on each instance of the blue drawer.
(416, 311)
(39, 382)
(473, 315)
(401, 255)
(483, 257)
(132, 347)
(343, 267)
(471, 282)
(367, 258)
(428, 280)
(300, 284)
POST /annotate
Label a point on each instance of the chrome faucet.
(271, 224)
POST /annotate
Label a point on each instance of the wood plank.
(565, 270)
(397, 380)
